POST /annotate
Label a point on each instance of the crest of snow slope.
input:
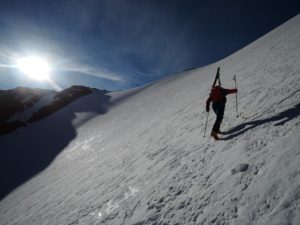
(145, 161)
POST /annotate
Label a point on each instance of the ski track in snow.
(146, 161)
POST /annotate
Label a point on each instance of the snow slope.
(139, 156)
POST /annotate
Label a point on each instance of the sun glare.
(34, 67)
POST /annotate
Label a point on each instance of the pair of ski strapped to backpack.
(217, 78)
(217, 89)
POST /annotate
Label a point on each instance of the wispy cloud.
(8, 59)
(100, 73)
(140, 36)
(120, 41)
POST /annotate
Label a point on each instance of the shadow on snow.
(280, 118)
(27, 151)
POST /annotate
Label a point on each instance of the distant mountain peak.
(23, 105)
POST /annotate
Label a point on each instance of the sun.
(35, 67)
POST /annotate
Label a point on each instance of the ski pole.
(236, 101)
(206, 124)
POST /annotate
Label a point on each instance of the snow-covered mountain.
(19, 99)
(21, 106)
(139, 156)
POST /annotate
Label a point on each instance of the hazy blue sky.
(118, 44)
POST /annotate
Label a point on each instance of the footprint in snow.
(242, 167)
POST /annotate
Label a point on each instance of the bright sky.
(114, 44)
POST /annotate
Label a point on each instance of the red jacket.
(218, 94)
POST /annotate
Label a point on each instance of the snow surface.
(139, 156)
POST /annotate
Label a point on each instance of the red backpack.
(216, 94)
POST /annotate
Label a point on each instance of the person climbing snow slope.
(218, 98)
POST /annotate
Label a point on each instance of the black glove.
(207, 108)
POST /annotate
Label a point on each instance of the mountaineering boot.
(215, 135)
(219, 132)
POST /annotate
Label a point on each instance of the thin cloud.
(100, 73)
(120, 41)
(9, 57)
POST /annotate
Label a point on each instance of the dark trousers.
(218, 108)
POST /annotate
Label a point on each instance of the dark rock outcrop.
(21, 98)
(8, 127)
(61, 99)
(18, 99)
